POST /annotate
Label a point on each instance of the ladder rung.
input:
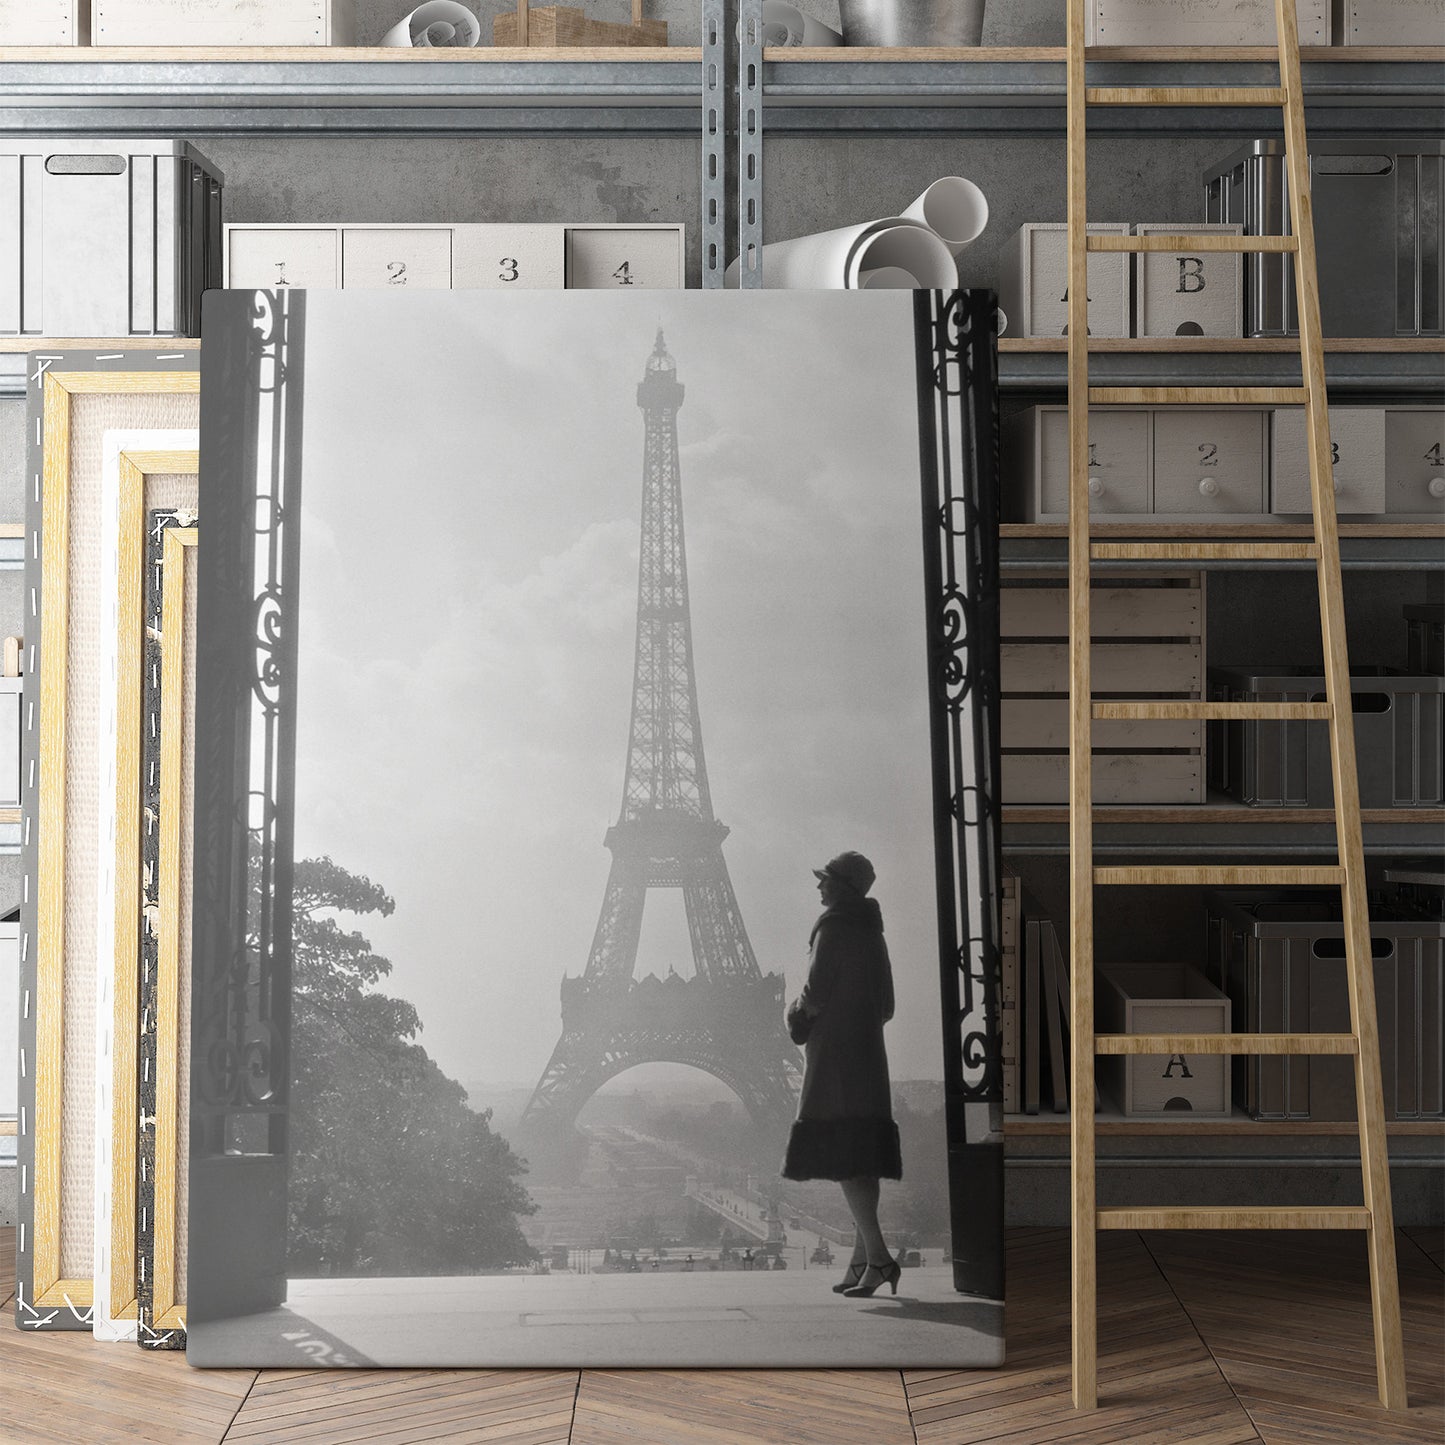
(1204, 551)
(1186, 241)
(1215, 876)
(1184, 95)
(1162, 711)
(1198, 395)
(1226, 1044)
(1278, 1217)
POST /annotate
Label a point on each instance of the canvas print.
(581, 707)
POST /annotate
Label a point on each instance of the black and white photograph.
(591, 960)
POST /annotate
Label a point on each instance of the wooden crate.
(553, 26)
(223, 22)
(1148, 637)
(44, 22)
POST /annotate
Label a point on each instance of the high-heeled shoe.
(855, 1273)
(888, 1274)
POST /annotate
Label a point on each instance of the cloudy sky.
(469, 582)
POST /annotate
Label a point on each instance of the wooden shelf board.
(341, 54)
(1183, 530)
(1215, 345)
(1216, 811)
(12, 345)
(689, 54)
(1057, 1125)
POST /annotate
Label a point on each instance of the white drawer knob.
(1096, 486)
(1208, 487)
(1436, 486)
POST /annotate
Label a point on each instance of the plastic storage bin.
(1280, 958)
(106, 238)
(1377, 234)
(1399, 739)
(1425, 637)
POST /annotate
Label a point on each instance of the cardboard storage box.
(44, 22)
(1201, 22)
(1033, 282)
(1188, 293)
(1399, 739)
(1189, 463)
(480, 256)
(1280, 957)
(1415, 461)
(223, 22)
(1357, 450)
(1388, 22)
(1151, 998)
(106, 237)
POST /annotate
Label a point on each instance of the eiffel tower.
(727, 1019)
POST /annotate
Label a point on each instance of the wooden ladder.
(1376, 1217)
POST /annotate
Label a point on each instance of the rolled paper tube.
(904, 246)
(887, 278)
(954, 209)
(439, 24)
(830, 260)
(786, 25)
(1002, 320)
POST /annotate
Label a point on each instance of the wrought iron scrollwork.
(961, 367)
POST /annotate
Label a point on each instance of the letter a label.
(1177, 1061)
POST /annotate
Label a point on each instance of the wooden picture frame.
(142, 470)
(74, 398)
(169, 751)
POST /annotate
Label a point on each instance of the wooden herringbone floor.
(1204, 1340)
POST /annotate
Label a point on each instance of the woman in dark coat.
(845, 1129)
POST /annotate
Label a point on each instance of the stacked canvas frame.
(79, 979)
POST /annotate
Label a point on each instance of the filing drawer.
(1415, 459)
(1126, 668)
(1209, 461)
(1189, 293)
(1118, 461)
(382, 257)
(1042, 722)
(1119, 779)
(271, 256)
(506, 257)
(642, 257)
(1357, 444)
(1033, 282)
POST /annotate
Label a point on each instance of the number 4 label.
(623, 274)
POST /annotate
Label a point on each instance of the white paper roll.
(887, 278)
(1002, 320)
(953, 208)
(786, 25)
(439, 23)
(835, 260)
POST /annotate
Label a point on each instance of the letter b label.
(1191, 275)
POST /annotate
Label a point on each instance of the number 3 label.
(509, 270)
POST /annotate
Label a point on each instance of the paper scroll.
(786, 25)
(438, 24)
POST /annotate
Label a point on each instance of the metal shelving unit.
(269, 91)
(943, 93)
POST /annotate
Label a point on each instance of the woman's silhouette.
(845, 1129)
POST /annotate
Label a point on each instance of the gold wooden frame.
(134, 468)
(179, 553)
(48, 1288)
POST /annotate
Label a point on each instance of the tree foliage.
(391, 1172)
